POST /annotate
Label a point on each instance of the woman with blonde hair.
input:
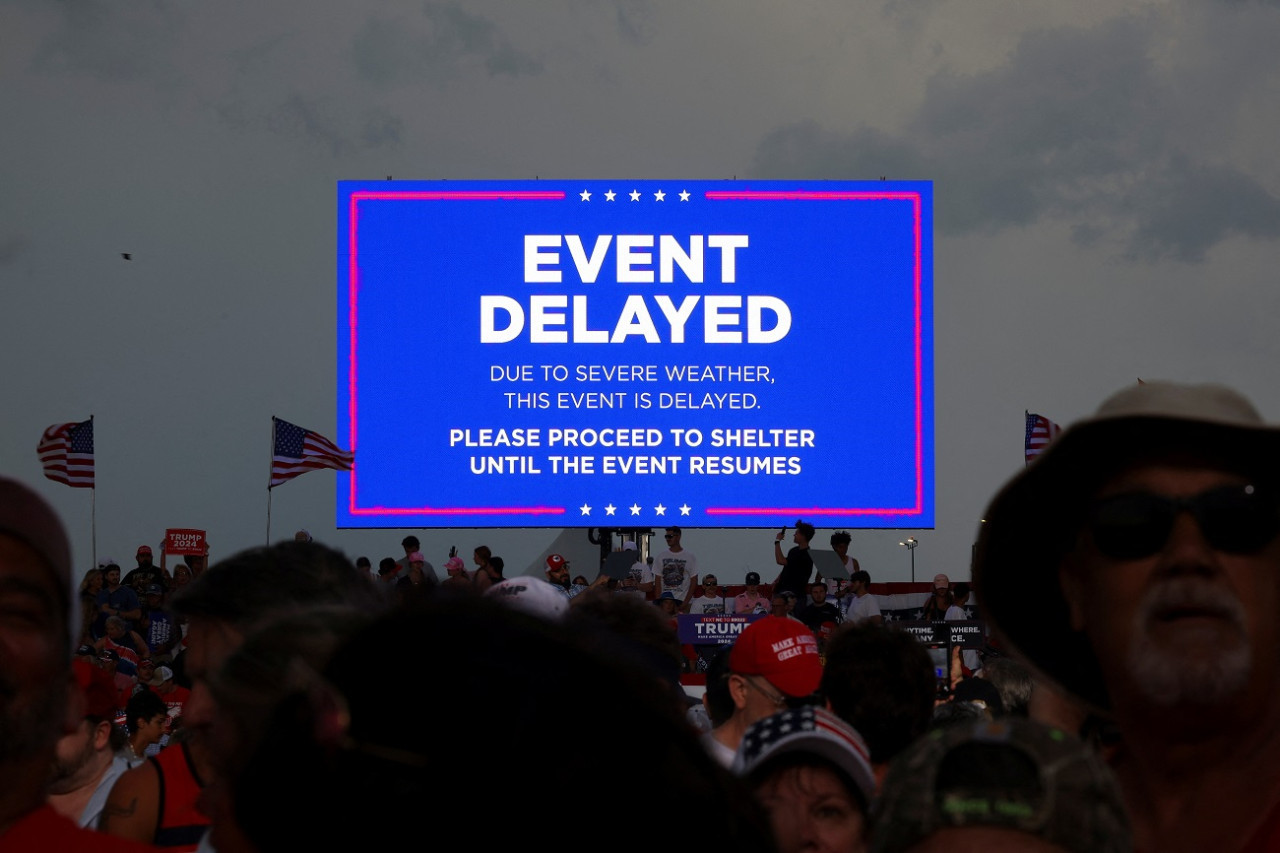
(90, 586)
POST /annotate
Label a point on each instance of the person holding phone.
(797, 565)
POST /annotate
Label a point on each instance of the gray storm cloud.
(434, 47)
(1080, 125)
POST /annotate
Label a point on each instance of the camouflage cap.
(1012, 773)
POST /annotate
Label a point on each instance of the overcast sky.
(1107, 206)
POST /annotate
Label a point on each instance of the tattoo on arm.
(115, 810)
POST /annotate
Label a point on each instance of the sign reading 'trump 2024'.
(635, 353)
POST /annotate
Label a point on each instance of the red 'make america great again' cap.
(782, 650)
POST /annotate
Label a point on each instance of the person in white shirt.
(862, 604)
(838, 590)
(88, 762)
(676, 569)
(711, 599)
(639, 578)
(711, 602)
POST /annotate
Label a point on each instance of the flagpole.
(270, 455)
(93, 503)
(1026, 413)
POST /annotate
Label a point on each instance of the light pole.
(911, 544)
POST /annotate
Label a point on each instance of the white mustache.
(1192, 594)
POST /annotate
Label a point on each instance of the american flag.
(297, 451)
(66, 452)
(1040, 431)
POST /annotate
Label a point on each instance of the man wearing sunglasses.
(1136, 564)
(677, 568)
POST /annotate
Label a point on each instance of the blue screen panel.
(635, 353)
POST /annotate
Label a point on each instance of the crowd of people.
(290, 697)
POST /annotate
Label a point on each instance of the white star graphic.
(635, 509)
(609, 509)
(684, 510)
(660, 509)
(610, 195)
(586, 510)
(586, 196)
(684, 195)
(659, 196)
(635, 195)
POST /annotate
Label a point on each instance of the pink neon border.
(552, 195)
(353, 278)
(811, 195)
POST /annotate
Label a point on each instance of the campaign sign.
(185, 540)
(706, 629)
(969, 634)
(586, 353)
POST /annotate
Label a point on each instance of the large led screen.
(635, 353)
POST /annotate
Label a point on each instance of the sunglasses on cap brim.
(1233, 519)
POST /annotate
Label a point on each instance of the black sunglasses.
(1234, 519)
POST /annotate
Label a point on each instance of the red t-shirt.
(45, 830)
(1267, 838)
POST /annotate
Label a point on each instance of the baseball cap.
(97, 689)
(1013, 773)
(941, 580)
(782, 650)
(555, 561)
(807, 731)
(753, 577)
(666, 596)
(108, 562)
(155, 589)
(163, 674)
(144, 549)
(416, 557)
(454, 563)
(532, 595)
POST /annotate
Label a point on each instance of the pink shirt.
(748, 602)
